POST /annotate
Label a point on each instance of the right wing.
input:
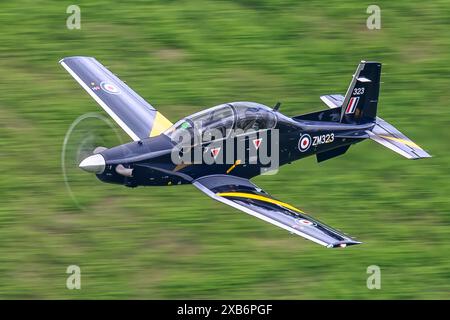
(243, 195)
(131, 112)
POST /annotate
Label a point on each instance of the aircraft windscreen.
(219, 118)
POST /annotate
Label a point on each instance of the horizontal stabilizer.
(388, 136)
(333, 100)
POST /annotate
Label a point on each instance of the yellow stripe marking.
(258, 197)
(238, 162)
(407, 142)
(160, 124)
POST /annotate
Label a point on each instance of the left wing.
(241, 194)
(129, 110)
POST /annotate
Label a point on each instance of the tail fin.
(388, 136)
(361, 99)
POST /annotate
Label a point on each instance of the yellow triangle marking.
(160, 124)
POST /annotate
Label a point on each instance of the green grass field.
(183, 56)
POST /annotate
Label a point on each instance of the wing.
(241, 194)
(131, 112)
(333, 100)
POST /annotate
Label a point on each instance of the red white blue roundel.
(304, 143)
(109, 87)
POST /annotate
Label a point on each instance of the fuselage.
(277, 140)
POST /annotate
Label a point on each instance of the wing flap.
(130, 111)
(247, 197)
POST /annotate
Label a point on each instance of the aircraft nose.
(95, 164)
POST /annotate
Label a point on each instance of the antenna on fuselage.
(277, 106)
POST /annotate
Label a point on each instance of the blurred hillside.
(183, 56)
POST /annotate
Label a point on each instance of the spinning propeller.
(87, 136)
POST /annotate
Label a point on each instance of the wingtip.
(423, 155)
(343, 244)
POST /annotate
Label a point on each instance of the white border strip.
(101, 103)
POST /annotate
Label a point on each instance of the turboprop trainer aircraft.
(246, 129)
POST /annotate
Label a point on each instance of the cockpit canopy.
(224, 118)
(254, 116)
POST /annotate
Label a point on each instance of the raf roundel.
(109, 87)
(304, 143)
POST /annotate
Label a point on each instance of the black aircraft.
(246, 129)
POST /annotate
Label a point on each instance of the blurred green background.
(183, 56)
